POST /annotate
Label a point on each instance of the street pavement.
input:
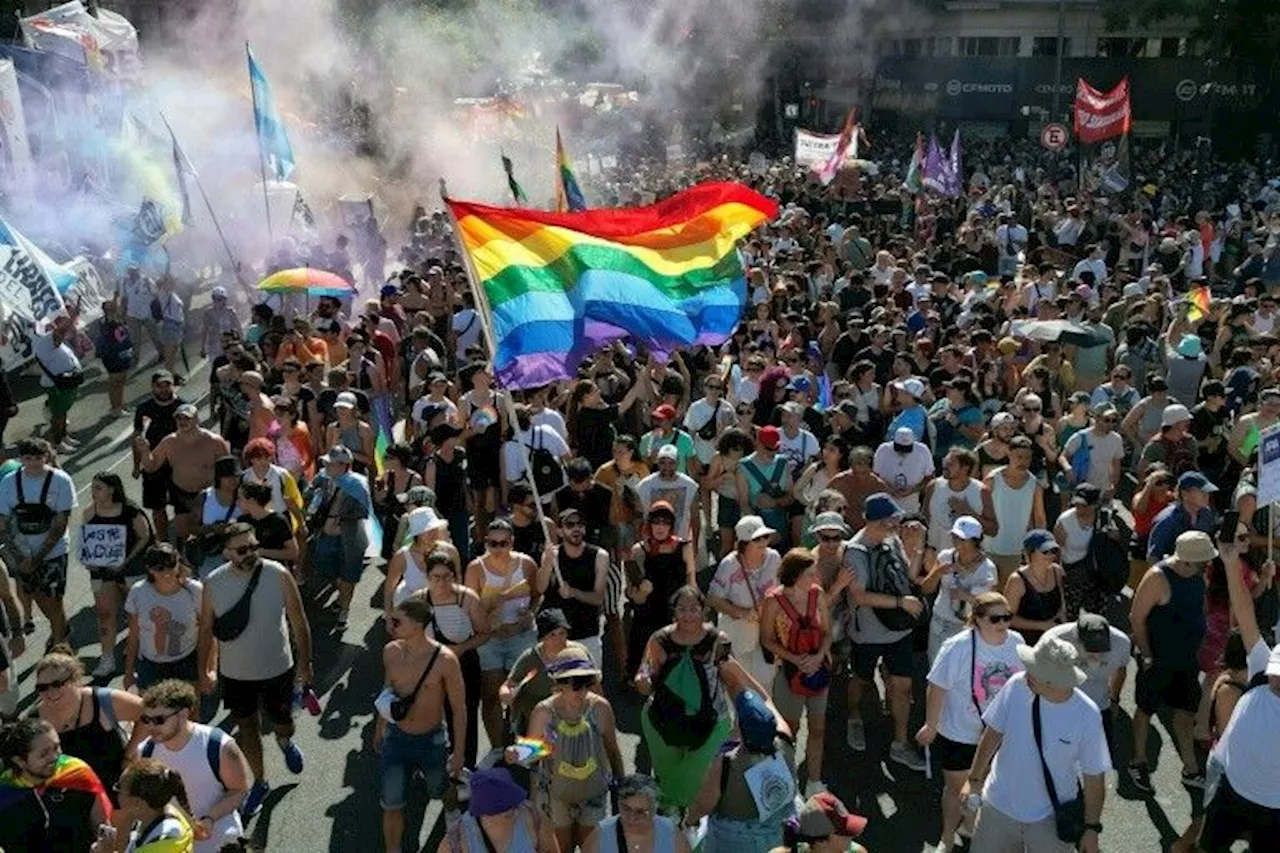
(333, 805)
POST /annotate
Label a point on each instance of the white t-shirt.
(466, 325)
(742, 387)
(681, 492)
(54, 358)
(420, 406)
(1073, 744)
(61, 498)
(730, 580)
(1249, 750)
(1103, 450)
(699, 415)
(167, 623)
(951, 612)
(137, 295)
(1097, 685)
(904, 469)
(800, 449)
(962, 662)
(1011, 237)
(536, 437)
(550, 418)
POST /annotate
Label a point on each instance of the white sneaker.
(106, 667)
(814, 787)
(67, 447)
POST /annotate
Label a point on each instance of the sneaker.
(122, 412)
(1193, 780)
(293, 758)
(106, 667)
(66, 447)
(907, 756)
(855, 734)
(813, 787)
(1140, 777)
(253, 800)
(344, 614)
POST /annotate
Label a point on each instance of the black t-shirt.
(62, 823)
(161, 416)
(593, 504)
(596, 430)
(883, 362)
(845, 350)
(273, 530)
(1206, 424)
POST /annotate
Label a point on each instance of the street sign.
(1054, 136)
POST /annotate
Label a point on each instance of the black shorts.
(49, 580)
(899, 656)
(184, 503)
(1230, 817)
(955, 757)
(244, 699)
(155, 488)
(1158, 687)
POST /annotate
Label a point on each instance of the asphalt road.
(334, 804)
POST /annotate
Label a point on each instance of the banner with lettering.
(102, 545)
(31, 285)
(1102, 115)
(814, 149)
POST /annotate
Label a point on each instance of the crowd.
(964, 460)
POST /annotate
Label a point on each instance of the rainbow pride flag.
(568, 195)
(1199, 301)
(559, 286)
(69, 774)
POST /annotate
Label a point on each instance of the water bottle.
(310, 701)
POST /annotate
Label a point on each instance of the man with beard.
(212, 768)
(48, 801)
(257, 666)
(154, 418)
(679, 490)
(188, 453)
(575, 575)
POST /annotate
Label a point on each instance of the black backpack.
(667, 711)
(1108, 560)
(548, 473)
(887, 577)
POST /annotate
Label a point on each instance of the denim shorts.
(501, 653)
(402, 754)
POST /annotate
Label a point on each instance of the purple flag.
(935, 167)
(954, 183)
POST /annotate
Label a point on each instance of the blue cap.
(1196, 480)
(879, 506)
(799, 383)
(1040, 540)
(756, 722)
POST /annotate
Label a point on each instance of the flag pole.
(486, 327)
(235, 266)
(262, 154)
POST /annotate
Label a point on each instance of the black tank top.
(1038, 606)
(451, 482)
(128, 513)
(1177, 629)
(101, 749)
(527, 540)
(580, 573)
(666, 571)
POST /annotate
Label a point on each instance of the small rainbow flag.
(559, 286)
(1200, 299)
(568, 195)
(530, 750)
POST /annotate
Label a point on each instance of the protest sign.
(102, 545)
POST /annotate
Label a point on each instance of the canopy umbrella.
(1062, 331)
(306, 280)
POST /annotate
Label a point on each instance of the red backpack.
(804, 638)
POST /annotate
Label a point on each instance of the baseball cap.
(1196, 480)
(1213, 388)
(769, 437)
(161, 376)
(912, 386)
(799, 383)
(1039, 541)
(1086, 494)
(665, 412)
(186, 410)
(1094, 632)
(219, 292)
(668, 451)
(341, 453)
(879, 506)
(823, 815)
(1003, 419)
(1175, 413)
(967, 527)
(570, 512)
(793, 408)
(421, 495)
(904, 437)
(440, 433)
(848, 408)
(345, 400)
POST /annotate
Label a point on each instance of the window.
(987, 46)
(1121, 47)
(912, 47)
(1048, 46)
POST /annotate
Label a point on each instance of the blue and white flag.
(31, 283)
(272, 139)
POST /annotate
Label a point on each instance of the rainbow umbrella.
(306, 280)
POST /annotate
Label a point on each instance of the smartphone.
(1230, 523)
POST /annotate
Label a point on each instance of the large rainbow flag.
(69, 774)
(559, 286)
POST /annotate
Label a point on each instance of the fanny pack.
(68, 381)
(231, 624)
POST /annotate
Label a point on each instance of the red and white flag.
(1102, 115)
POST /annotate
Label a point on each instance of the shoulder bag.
(231, 624)
(401, 706)
(1068, 816)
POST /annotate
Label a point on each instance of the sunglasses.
(440, 576)
(744, 410)
(576, 683)
(1031, 408)
(498, 543)
(44, 687)
(245, 549)
(830, 537)
(998, 618)
(155, 719)
(573, 525)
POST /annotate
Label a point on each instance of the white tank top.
(214, 512)
(495, 584)
(1013, 514)
(1076, 548)
(203, 789)
(941, 516)
(414, 578)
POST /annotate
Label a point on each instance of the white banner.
(107, 43)
(15, 158)
(102, 545)
(814, 149)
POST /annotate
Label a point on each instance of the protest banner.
(102, 545)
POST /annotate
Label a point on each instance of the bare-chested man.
(420, 673)
(189, 452)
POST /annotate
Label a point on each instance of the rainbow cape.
(559, 286)
(69, 774)
(568, 195)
